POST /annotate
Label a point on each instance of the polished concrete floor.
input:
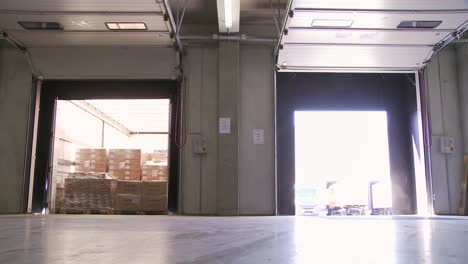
(68, 239)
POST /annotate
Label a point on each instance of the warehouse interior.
(264, 114)
(139, 126)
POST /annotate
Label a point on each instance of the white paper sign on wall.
(224, 125)
(259, 136)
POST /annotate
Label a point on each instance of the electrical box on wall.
(447, 145)
(199, 146)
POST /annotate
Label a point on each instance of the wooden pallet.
(86, 211)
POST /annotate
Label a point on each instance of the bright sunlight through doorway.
(342, 163)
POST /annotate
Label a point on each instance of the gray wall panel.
(208, 190)
(256, 162)
(15, 96)
(228, 143)
(209, 122)
(191, 168)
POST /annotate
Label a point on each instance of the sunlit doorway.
(342, 163)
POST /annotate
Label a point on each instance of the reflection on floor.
(172, 239)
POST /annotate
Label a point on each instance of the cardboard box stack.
(89, 194)
(128, 198)
(59, 198)
(125, 164)
(154, 196)
(156, 157)
(90, 189)
(91, 160)
(154, 173)
(136, 196)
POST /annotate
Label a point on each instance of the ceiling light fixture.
(40, 25)
(419, 24)
(228, 13)
(331, 23)
(126, 26)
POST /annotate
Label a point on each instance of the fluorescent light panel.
(420, 24)
(228, 13)
(40, 25)
(331, 23)
(126, 26)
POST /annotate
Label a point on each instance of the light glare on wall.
(331, 23)
(126, 25)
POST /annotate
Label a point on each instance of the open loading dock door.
(367, 35)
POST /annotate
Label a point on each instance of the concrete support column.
(462, 63)
(462, 66)
(15, 99)
(447, 169)
(228, 143)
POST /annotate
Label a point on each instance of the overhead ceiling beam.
(91, 109)
(228, 16)
(173, 25)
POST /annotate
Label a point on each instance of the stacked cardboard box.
(87, 175)
(91, 160)
(158, 156)
(59, 198)
(154, 196)
(128, 198)
(89, 194)
(125, 164)
(154, 173)
(136, 196)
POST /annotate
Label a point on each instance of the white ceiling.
(150, 115)
(372, 42)
(83, 22)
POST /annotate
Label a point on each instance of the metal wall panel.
(105, 63)
(88, 5)
(304, 57)
(377, 19)
(364, 37)
(90, 39)
(353, 36)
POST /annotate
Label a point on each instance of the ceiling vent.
(419, 24)
(40, 25)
